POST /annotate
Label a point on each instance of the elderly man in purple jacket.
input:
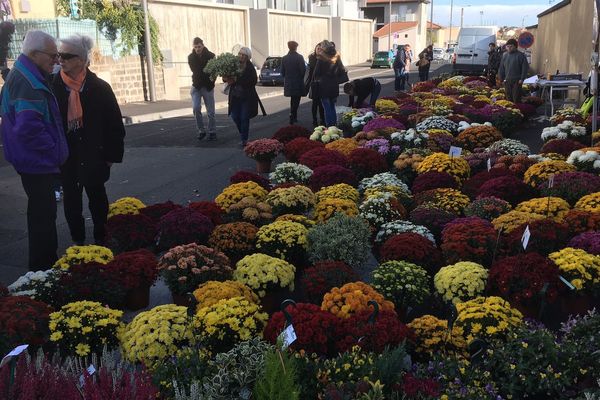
(34, 142)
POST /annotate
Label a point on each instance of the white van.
(471, 52)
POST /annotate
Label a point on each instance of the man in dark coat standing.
(293, 68)
(202, 89)
(494, 58)
(513, 71)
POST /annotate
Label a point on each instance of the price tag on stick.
(455, 151)
(566, 282)
(525, 237)
(14, 353)
(288, 336)
(91, 370)
(489, 164)
(550, 181)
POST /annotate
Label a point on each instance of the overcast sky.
(495, 12)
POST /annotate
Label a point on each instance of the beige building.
(408, 32)
(563, 38)
(30, 9)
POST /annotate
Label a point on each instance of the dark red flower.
(319, 157)
(433, 180)
(288, 133)
(156, 211)
(366, 162)
(387, 330)
(210, 209)
(328, 175)
(294, 149)
(323, 276)
(23, 321)
(134, 268)
(413, 248)
(469, 239)
(125, 232)
(314, 328)
(245, 176)
(471, 186)
(546, 237)
(507, 188)
(183, 226)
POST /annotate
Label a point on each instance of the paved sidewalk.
(135, 113)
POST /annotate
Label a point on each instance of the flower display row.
(370, 263)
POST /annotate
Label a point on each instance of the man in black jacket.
(494, 58)
(361, 88)
(202, 88)
(293, 69)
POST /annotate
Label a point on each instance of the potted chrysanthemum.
(263, 151)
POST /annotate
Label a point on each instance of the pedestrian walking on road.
(293, 69)
(424, 67)
(513, 71)
(409, 58)
(329, 74)
(313, 94)
(94, 128)
(494, 58)
(34, 141)
(361, 88)
(243, 99)
(399, 69)
(202, 89)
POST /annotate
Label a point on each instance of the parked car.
(382, 59)
(438, 53)
(270, 73)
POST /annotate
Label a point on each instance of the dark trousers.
(375, 93)
(423, 74)
(400, 79)
(41, 219)
(492, 78)
(513, 90)
(241, 116)
(316, 105)
(294, 103)
(73, 205)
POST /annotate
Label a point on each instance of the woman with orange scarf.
(94, 129)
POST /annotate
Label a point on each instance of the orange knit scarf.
(75, 111)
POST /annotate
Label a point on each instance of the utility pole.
(431, 26)
(390, 26)
(462, 14)
(148, 49)
(481, 17)
(450, 34)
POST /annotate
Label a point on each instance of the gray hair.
(81, 45)
(36, 40)
(246, 51)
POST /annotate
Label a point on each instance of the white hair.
(246, 51)
(36, 41)
(80, 45)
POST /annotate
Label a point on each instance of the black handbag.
(342, 77)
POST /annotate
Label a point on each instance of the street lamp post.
(431, 26)
(481, 17)
(450, 34)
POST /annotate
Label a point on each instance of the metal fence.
(63, 27)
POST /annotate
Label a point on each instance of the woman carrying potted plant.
(243, 99)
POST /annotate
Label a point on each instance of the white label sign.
(551, 181)
(525, 237)
(455, 151)
(91, 370)
(288, 336)
(489, 164)
(14, 352)
(566, 282)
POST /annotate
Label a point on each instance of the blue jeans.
(375, 93)
(400, 79)
(209, 102)
(329, 108)
(241, 116)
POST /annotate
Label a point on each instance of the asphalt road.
(163, 161)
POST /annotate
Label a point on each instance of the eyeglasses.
(67, 56)
(51, 55)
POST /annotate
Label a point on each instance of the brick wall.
(126, 78)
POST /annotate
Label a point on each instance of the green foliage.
(121, 16)
(180, 371)
(278, 380)
(341, 238)
(225, 64)
(236, 371)
(390, 365)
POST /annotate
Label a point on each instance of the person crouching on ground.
(361, 88)
(94, 128)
